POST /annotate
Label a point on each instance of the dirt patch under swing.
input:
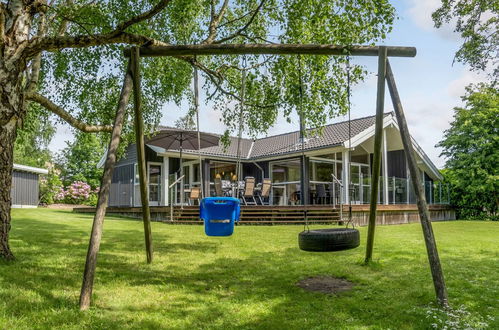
(325, 284)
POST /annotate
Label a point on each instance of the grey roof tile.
(332, 135)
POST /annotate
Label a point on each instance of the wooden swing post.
(96, 235)
(141, 153)
(416, 180)
(378, 137)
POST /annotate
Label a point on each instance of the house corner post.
(140, 143)
(424, 214)
(380, 105)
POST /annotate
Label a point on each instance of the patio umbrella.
(180, 139)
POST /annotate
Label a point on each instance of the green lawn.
(245, 281)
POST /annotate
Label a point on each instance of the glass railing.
(399, 191)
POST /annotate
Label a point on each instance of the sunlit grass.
(244, 281)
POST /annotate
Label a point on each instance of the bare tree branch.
(215, 21)
(142, 17)
(63, 114)
(241, 30)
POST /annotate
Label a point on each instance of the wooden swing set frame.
(132, 82)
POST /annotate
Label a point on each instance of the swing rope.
(239, 135)
(196, 106)
(349, 144)
(302, 141)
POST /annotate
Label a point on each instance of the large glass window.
(223, 169)
(286, 171)
(195, 169)
(286, 182)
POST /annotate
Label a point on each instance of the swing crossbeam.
(271, 49)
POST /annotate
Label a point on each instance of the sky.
(430, 85)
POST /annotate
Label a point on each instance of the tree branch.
(118, 35)
(241, 30)
(142, 17)
(215, 21)
(37, 61)
(52, 44)
(63, 114)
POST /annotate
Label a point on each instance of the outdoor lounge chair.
(248, 194)
(265, 192)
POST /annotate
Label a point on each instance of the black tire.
(327, 240)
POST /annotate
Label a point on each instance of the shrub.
(78, 192)
(50, 187)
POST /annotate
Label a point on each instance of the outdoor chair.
(194, 195)
(265, 192)
(320, 193)
(218, 188)
(248, 194)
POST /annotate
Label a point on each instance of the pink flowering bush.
(78, 192)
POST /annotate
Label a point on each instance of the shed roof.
(30, 169)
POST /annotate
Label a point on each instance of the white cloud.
(420, 12)
(457, 87)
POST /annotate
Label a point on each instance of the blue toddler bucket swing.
(219, 214)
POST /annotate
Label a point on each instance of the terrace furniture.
(320, 193)
(218, 187)
(249, 191)
(194, 195)
(265, 192)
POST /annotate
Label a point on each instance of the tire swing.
(329, 239)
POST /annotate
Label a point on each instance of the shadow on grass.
(256, 289)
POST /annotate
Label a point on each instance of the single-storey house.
(25, 186)
(332, 160)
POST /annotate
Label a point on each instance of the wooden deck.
(273, 214)
(276, 214)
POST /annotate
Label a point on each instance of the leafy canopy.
(78, 161)
(477, 22)
(33, 138)
(471, 146)
(86, 81)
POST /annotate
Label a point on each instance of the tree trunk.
(11, 114)
(17, 22)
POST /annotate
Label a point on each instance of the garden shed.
(25, 185)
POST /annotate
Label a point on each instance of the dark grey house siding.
(397, 164)
(130, 156)
(121, 192)
(24, 188)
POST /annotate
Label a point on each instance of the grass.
(245, 281)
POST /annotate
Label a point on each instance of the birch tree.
(67, 57)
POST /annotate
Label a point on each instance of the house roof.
(332, 135)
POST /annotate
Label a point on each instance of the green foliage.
(33, 138)
(50, 185)
(246, 281)
(471, 146)
(88, 80)
(477, 22)
(78, 161)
